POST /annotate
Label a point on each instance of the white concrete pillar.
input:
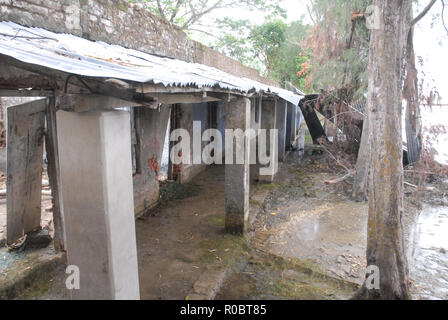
(97, 200)
(237, 175)
(294, 119)
(255, 124)
(269, 121)
(282, 113)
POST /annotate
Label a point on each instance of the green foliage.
(266, 41)
(233, 40)
(336, 63)
(274, 47)
(292, 56)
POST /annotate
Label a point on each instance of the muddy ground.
(306, 241)
(306, 219)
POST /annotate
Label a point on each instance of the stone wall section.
(120, 23)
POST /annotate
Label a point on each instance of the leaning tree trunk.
(412, 119)
(385, 245)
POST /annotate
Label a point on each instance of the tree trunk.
(362, 165)
(385, 245)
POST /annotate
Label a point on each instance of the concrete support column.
(281, 126)
(97, 198)
(255, 124)
(237, 175)
(293, 125)
(268, 122)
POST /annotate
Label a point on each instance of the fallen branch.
(424, 172)
(348, 175)
(334, 158)
(411, 185)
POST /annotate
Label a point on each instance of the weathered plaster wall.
(121, 23)
(188, 114)
(151, 130)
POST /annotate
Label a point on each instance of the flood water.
(428, 253)
(428, 243)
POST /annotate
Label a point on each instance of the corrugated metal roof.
(75, 55)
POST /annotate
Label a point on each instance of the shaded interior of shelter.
(183, 235)
(157, 183)
(150, 140)
(152, 146)
(152, 168)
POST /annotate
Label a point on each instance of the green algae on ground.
(299, 188)
(217, 219)
(173, 192)
(281, 278)
(301, 291)
(224, 250)
(267, 186)
(29, 277)
(255, 202)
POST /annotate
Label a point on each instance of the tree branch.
(443, 16)
(335, 159)
(195, 16)
(310, 14)
(176, 10)
(161, 11)
(423, 13)
(205, 32)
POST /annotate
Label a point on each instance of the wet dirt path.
(311, 221)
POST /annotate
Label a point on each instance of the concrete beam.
(173, 98)
(220, 94)
(237, 175)
(281, 126)
(154, 88)
(25, 93)
(93, 102)
(269, 113)
(97, 201)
